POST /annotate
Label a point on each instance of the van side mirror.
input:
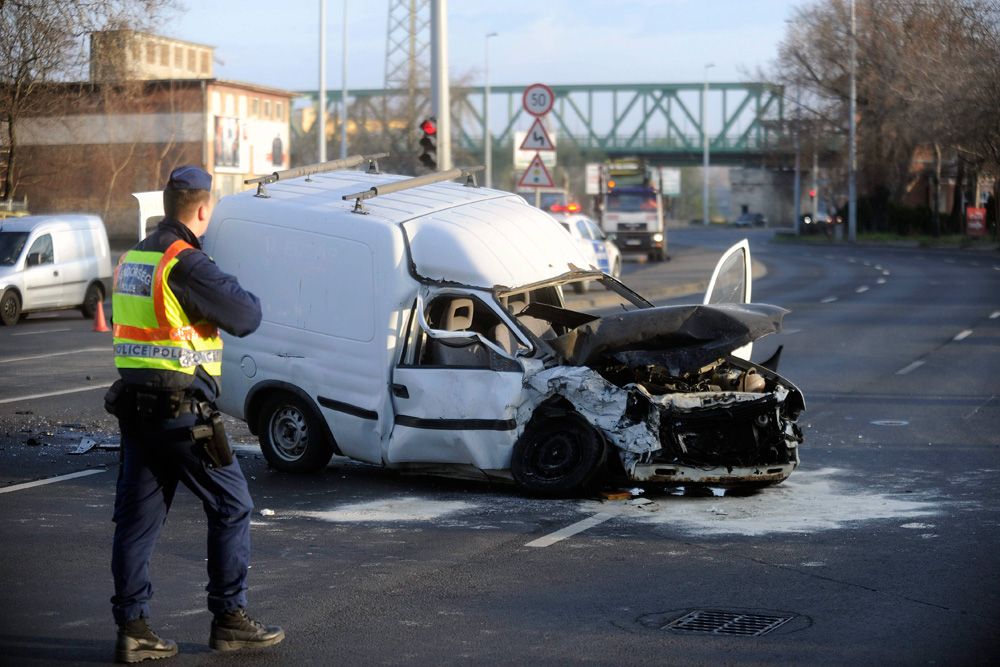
(34, 259)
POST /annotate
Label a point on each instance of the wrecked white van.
(420, 324)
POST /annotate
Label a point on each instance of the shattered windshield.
(11, 245)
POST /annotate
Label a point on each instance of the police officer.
(169, 302)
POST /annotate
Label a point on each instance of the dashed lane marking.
(570, 531)
(862, 289)
(11, 360)
(829, 299)
(962, 335)
(995, 314)
(74, 390)
(40, 331)
(880, 281)
(50, 480)
(909, 368)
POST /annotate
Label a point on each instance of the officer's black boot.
(138, 642)
(234, 630)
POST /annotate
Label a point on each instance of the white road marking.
(878, 267)
(862, 289)
(995, 314)
(886, 273)
(905, 370)
(978, 407)
(570, 531)
(74, 390)
(829, 299)
(963, 335)
(41, 331)
(50, 480)
(10, 360)
(880, 281)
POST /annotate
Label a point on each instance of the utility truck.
(632, 208)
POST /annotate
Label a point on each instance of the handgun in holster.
(212, 438)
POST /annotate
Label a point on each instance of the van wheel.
(10, 308)
(291, 436)
(558, 456)
(94, 296)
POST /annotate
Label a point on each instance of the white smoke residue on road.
(808, 502)
(409, 508)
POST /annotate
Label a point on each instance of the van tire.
(94, 296)
(558, 456)
(291, 435)
(581, 287)
(10, 308)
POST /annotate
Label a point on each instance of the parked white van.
(50, 262)
(420, 324)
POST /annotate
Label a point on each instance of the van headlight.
(657, 237)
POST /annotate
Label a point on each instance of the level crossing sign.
(536, 175)
(537, 138)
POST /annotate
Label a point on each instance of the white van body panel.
(80, 257)
(337, 289)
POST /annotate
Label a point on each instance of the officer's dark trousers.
(152, 465)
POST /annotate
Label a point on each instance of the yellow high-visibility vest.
(151, 330)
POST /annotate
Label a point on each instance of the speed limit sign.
(538, 99)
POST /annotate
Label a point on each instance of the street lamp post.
(852, 177)
(487, 135)
(704, 141)
(321, 105)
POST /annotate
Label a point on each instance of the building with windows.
(151, 105)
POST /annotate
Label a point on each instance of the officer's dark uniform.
(170, 383)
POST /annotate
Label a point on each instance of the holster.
(212, 438)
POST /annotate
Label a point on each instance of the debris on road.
(86, 444)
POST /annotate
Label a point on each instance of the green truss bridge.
(662, 121)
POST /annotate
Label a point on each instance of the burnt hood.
(680, 338)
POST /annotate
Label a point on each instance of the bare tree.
(922, 77)
(43, 41)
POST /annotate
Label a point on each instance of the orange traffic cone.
(99, 323)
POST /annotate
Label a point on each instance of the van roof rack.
(468, 173)
(318, 168)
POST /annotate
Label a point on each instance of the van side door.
(42, 282)
(456, 385)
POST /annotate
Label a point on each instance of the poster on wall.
(227, 143)
(269, 143)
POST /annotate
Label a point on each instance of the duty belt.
(186, 358)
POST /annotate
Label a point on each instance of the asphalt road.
(880, 550)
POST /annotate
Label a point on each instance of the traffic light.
(428, 143)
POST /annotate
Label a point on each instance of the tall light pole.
(343, 92)
(487, 135)
(852, 177)
(704, 142)
(321, 105)
(440, 91)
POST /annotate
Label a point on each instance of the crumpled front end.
(662, 389)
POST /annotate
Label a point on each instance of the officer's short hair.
(187, 189)
(182, 204)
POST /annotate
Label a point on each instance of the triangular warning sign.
(536, 175)
(537, 139)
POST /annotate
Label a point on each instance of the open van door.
(731, 282)
(150, 210)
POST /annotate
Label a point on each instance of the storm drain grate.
(715, 622)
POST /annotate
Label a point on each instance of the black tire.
(581, 287)
(94, 296)
(291, 435)
(558, 456)
(10, 308)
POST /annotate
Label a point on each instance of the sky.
(549, 41)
